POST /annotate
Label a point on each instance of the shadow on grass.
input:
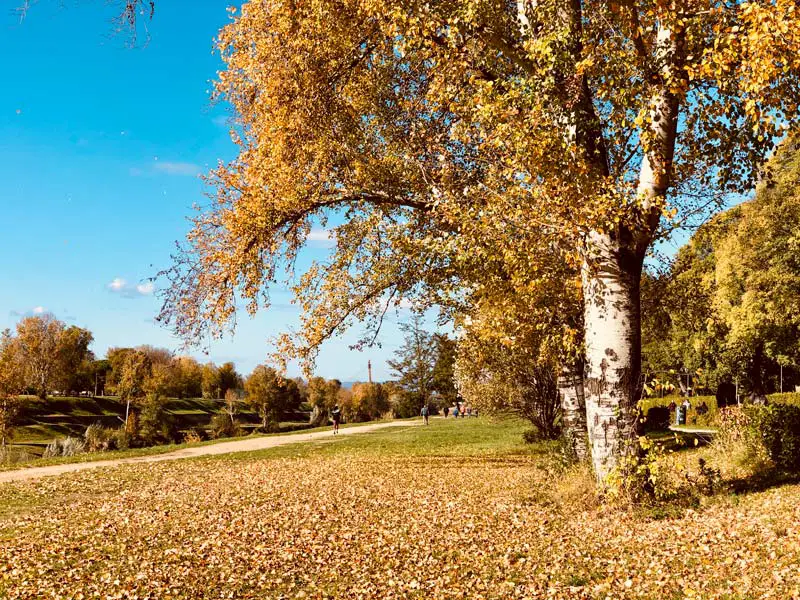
(678, 441)
(761, 482)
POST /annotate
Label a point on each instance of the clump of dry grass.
(15, 456)
(576, 489)
(734, 451)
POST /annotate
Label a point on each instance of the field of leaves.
(455, 510)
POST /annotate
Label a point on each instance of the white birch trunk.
(613, 351)
(612, 319)
(573, 410)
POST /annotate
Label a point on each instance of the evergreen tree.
(415, 361)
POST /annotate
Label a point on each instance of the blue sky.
(101, 146)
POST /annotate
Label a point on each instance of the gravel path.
(247, 445)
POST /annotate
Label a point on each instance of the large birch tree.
(438, 133)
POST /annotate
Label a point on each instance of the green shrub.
(99, 438)
(405, 404)
(657, 418)
(693, 418)
(777, 428)
(222, 425)
(531, 436)
(785, 398)
(155, 425)
(192, 436)
(121, 439)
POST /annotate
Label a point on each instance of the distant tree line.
(727, 308)
(45, 357)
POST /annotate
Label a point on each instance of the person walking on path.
(336, 416)
(424, 414)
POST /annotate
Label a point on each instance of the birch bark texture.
(573, 411)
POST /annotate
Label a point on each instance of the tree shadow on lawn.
(678, 441)
(761, 482)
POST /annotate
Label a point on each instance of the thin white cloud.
(32, 312)
(221, 121)
(321, 237)
(166, 167)
(183, 169)
(129, 290)
(146, 289)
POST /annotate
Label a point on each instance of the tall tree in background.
(271, 396)
(75, 359)
(39, 344)
(10, 387)
(116, 358)
(414, 361)
(728, 304)
(681, 330)
(758, 277)
(323, 394)
(365, 402)
(439, 129)
(229, 378)
(98, 375)
(210, 382)
(443, 376)
(318, 399)
(135, 374)
(189, 377)
(157, 356)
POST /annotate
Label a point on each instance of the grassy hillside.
(459, 509)
(44, 420)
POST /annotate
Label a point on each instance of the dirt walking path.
(256, 443)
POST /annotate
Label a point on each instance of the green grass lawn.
(463, 437)
(459, 509)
